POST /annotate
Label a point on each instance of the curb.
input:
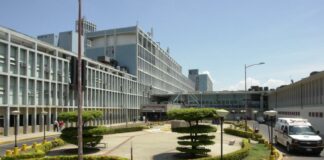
(26, 139)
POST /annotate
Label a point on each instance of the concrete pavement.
(158, 143)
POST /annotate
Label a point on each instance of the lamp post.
(271, 114)
(44, 113)
(15, 113)
(222, 113)
(245, 68)
(255, 114)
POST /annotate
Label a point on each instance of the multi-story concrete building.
(36, 76)
(203, 82)
(304, 98)
(136, 52)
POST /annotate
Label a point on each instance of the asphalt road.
(4, 147)
(288, 156)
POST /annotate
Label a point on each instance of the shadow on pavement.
(73, 151)
(172, 156)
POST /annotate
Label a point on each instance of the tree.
(92, 135)
(197, 133)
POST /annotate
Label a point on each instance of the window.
(21, 120)
(1, 121)
(29, 119)
(12, 120)
(38, 119)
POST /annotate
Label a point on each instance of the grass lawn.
(258, 152)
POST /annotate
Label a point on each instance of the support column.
(261, 103)
(42, 119)
(49, 118)
(26, 121)
(7, 121)
(34, 118)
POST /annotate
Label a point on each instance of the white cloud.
(274, 83)
(271, 83)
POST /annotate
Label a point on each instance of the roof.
(294, 121)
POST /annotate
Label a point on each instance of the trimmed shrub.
(238, 133)
(197, 134)
(91, 135)
(84, 158)
(125, 129)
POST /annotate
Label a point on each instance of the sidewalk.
(29, 136)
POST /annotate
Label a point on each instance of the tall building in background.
(203, 82)
(87, 26)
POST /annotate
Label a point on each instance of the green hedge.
(84, 158)
(195, 129)
(70, 158)
(125, 129)
(38, 152)
(238, 133)
(237, 155)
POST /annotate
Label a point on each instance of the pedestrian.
(144, 119)
(56, 125)
(61, 124)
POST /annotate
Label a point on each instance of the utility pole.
(79, 100)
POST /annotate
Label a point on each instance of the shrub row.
(35, 151)
(72, 158)
(195, 129)
(125, 129)
(238, 133)
(84, 158)
(237, 155)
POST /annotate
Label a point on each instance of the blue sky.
(211, 35)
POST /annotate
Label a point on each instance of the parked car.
(260, 119)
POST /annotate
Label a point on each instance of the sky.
(218, 37)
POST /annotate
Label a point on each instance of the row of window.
(289, 113)
(315, 114)
(37, 65)
(116, 117)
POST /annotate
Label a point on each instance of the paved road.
(289, 156)
(4, 147)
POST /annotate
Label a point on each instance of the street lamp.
(15, 113)
(245, 68)
(255, 114)
(221, 113)
(44, 113)
(271, 114)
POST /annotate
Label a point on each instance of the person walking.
(61, 124)
(56, 125)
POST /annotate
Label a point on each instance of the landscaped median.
(238, 131)
(237, 155)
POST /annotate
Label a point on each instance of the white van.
(297, 134)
